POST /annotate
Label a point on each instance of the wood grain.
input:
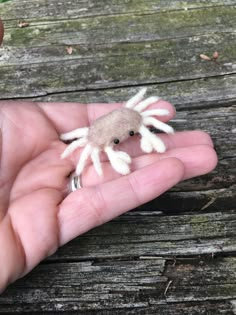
(43, 10)
(126, 285)
(115, 51)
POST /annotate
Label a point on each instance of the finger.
(178, 140)
(197, 160)
(66, 116)
(69, 116)
(187, 138)
(92, 206)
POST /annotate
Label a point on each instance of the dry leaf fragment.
(205, 57)
(23, 24)
(69, 50)
(216, 55)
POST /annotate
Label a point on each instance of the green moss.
(199, 219)
(126, 28)
(201, 225)
(116, 50)
(222, 290)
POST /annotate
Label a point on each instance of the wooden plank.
(189, 283)
(82, 280)
(193, 201)
(213, 121)
(114, 285)
(106, 54)
(147, 233)
(122, 64)
(193, 308)
(78, 8)
(122, 28)
(214, 92)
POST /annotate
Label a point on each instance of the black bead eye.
(131, 133)
(116, 141)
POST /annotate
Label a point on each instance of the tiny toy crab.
(115, 127)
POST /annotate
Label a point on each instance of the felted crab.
(115, 127)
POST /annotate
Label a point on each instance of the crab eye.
(116, 141)
(131, 133)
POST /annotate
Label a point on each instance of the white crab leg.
(83, 158)
(76, 133)
(155, 112)
(119, 160)
(96, 161)
(144, 104)
(73, 146)
(151, 140)
(136, 98)
(158, 124)
(146, 145)
(123, 156)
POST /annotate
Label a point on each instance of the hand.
(38, 214)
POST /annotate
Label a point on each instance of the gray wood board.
(123, 285)
(150, 233)
(115, 51)
(119, 65)
(45, 10)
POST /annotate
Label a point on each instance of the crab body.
(116, 127)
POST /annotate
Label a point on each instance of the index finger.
(89, 207)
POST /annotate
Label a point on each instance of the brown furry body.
(115, 125)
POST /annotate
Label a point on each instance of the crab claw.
(119, 160)
(150, 142)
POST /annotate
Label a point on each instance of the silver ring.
(75, 182)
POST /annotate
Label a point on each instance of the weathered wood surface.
(141, 283)
(151, 47)
(176, 254)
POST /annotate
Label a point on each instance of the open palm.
(37, 212)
